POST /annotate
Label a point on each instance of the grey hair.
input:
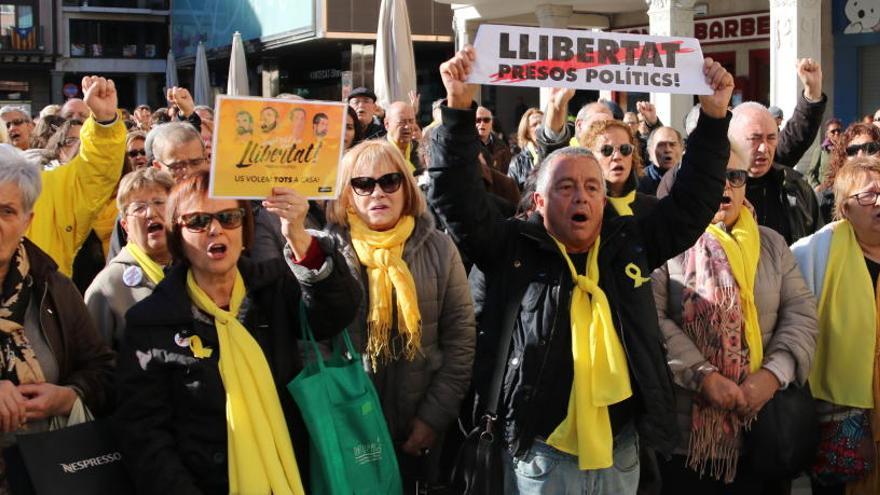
(590, 108)
(542, 175)
(740, 111)
(165, 136)
(653, 136)
(14, 108)
(15, 168)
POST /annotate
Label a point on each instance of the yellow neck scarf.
(260, 453)
(601, 375)
(534, 152)
(743, 249)
(406, 154)
(574, 142)
(843, 366)
(382, 254)
(151, 268)
(622, 204)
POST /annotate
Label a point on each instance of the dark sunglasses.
(624, 149)
(871, 148)
(737, 178)
(484, 120)
(136, 153)
(200, 221)
(364, 186)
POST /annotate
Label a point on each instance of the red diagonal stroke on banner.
(575, 64)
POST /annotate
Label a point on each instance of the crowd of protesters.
(661, 290)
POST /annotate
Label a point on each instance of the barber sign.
(568, 58)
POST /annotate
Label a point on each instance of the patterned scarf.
(17, 358)
(712, 316)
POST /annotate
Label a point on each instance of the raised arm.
(680, 218)
(801, 129)
(457, 193)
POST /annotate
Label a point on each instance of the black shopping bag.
(76, 460)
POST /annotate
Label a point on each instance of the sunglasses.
(136, 153)
(364, 186)
(871, 148)
(16, 122)
(484, 120)
(200, 221)
(624, 149)
(736, 178)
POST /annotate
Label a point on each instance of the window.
(89, 38)
(17, 26)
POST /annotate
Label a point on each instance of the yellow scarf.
(151, 268)
(406, 154)
(601, 375)
(534, 152)
(843, 366)
(622, 204)
(743, 249)
(260, 453)
(382, 254)
(574, 142)
(103, 224)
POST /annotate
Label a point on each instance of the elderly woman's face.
(379, 209)
(144, 221)
(614, 151)
(734, 193)
(864, 219)
(211, 248)
(13, 221)
(535, 120)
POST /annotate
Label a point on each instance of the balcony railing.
(21, 40)
(119, 4)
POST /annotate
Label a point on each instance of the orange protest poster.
(261, 143)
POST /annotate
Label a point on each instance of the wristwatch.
(702, 372)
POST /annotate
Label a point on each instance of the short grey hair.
(14, 108)
(15, 168)
(653, 137)
(164, 136)
(739, 112)
(542, 175)
(140, 179)
(591, 108)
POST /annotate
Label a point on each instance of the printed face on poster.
(579, 59)
(261, 143)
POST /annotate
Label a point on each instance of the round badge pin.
(181, 341)
(132, 276)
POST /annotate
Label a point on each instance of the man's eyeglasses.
(182, 165)
(137, 153)
(70, 141)
(867, 198)
(139, 208)
(16, 122)
(871, 148)
(484, 120)
(364, 186)
(200, 221)
(625, 149)
(737, 178)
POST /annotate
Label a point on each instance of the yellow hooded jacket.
(76, 192)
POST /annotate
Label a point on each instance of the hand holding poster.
(260, 143)
(541, 57)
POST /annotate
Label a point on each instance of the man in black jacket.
(782, 199)
(521, 261)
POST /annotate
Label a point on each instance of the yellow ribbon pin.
(635, 273)
(199, 351)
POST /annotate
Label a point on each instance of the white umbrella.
(202, 93)
(237, 84)
(395, 71)
(170, 71)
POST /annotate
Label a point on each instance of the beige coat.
(787, 314)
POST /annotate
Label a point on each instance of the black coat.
(171, 420)
(520, 260)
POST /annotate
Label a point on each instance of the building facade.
(27, 40)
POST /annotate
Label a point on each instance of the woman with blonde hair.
(841, 264)
(527, 159)
(416, 327)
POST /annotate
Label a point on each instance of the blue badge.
(132, 276)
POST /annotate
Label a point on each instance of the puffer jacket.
(522, 263)
(432, 386)
(75, 193)
(787, 314)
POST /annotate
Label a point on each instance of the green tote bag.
(351, 450)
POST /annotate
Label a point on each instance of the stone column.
(270, 77)
(465, 32)
(140, 89)
(557, 17)
(795, 33)
(671, 18)
(57, 86)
